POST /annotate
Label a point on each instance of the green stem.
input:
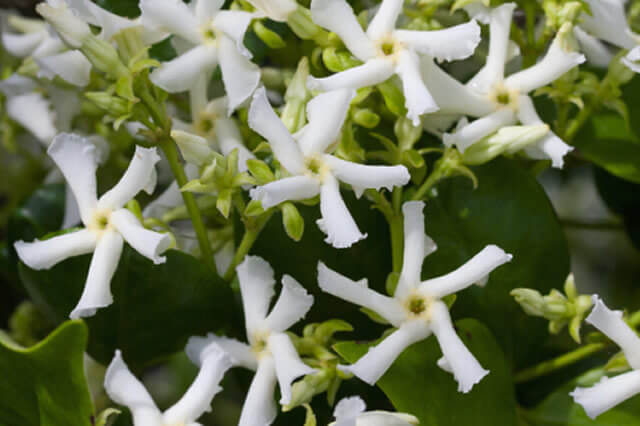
(432, 180)
(584, 114)
(397, 241)
(595, 226)
(170, 151)
(251, 233)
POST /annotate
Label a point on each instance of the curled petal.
(607, 20)
(385, 19)
(471, 133)
(172, 16)
(357, 292)
(607, 393)
(22, 45)
(338, 16)
(336, 221)
(256, 286)
(125, 389)
(140, 175)
(239, 353)
(326, 114)
(596, 52)
(259, 407)
(97, 288)
(289, 188)
(361, 176)
(457, 42)
(379, 358)
(148, 243)
(349, 408)
(418, 99)
(465, 367)
(46, 253)
(71, 66)
(179, 74)
(372, 72)
(33, 112)
(474, 271)
(287, 364)
(292, 305)
(239, 74)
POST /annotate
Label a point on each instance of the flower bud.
(296, 97)
(406, 132)
(268, 36)
(71, 29)
(104, 57)
(292, 221)
(312, 384)
(193, 148)
(508, 139)
(115, 106)
(365, 117)
(303, 26)
(530, 300)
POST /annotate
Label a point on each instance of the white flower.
(125, 389)
(610, 392)
(314, 171)
(69, 26)
(212, 36)
(416, 309)
(351, 412)
(386, 50)
(270, 352)
(107, 223)
(632, 60)
(498, 100)
(278, 10)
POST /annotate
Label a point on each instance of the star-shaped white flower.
(107, 224)
(497, 100)
(386, 50)
(207, 36)
(416, 309)
(306, 156)
(125, 389)
(610, 392)
(270, 352)
(351, 412)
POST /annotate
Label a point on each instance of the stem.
(169, 148)
(595, 226)
(252, 231)
(431, 181)
(586, 111)
(397, 241)
(557, 363)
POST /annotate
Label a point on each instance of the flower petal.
(71, 66)
(173, 16)
(418, 99)
(474, 271)
(43, 254)
(385, 418)
(361, 176)
(338, 16)
(326, 114)
(290, 188)
(140, 175)
(181, 73)
(596, 52)
(288, 364)
(171, 197)
(33, 112)
(22, 45)
(632, 58)
(384, 21)
(453, 43)
(240, 353)
(125, 389)
(471, 133)
(372, 72)
(465, 367)
(263, 119)
(148, 243)
(71, 210)
(97, 288)
(234, 24)
(256, 286)
(229, 138)
(206, 10)
(607, 393)
(277, 10)
(608, 21)
(77, 159)
(292, 305)
(349, 408)
(613, 326)
(336, 221)
(379, 358)
(16, 84)
(239, 74)
(259, 407)
(358, 292)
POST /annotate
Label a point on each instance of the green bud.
(324, 332)
(570, 287)
(269, 37)
(223, 204)
(338, 60)
(365, 117)
(393, 97)
(508, 140)
(260, 171)
(113, 105)
(195, 149)
(197, 186)
(130, 43)
(530, 300)
(103, 56)
(292, 221)
(303, 26)
(296, 97)
(303, 390)
(618, 73)
(406, 133)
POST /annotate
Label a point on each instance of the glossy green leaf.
(45, 384)
(416, 385)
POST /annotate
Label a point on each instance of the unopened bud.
(193, 148)
(115, 106)
(71, 29)
(292, 221)
(312, 384)
(508, 140)
(530, 300)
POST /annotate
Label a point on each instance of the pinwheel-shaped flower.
(270, 352)
(610, 392)
(500, 101)
(212, 36)
(107, 223)
(314, 170)
(417, 309)
(125, 389)
(386, 50)
(351, 412)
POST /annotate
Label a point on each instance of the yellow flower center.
(100, 221)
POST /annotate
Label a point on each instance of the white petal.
(613, 326)
(457, 42)
(278, 10)
(263, 119)
(372, 72)
(292, 305)
(234, 24)
(632, 58)
(418, 99)
(148, 243)
(67, 105)
(71, 210)
(326, 114)
(22, 45)
(33, 112)
(49, 46)
(256, 286)
(338, 16)
(181, 73)
(465, 367)
(46, 253)
(361, 176)
(466, 136)
(171, 197)
(16, 84)
(358, 292)
(288, 364)
(596, 52)
(385, 418)
(240, 353)
(349, 408)
(214, 363)
(71, 66)
(239, 74)
(336, 221)
(205, 10)
(259, 407)
(385, 19)
(229, 138)
(474, 271)
(379, 358)
(607, 393)
(97, 288)
(125, 389)
(289, 188)
(77, 159)
(173, 16)
(140, 175)
(608, 22)
(555, 63)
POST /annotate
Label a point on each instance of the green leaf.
(40, 214)
(416, 385)
(156, 307)
(45, 384)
